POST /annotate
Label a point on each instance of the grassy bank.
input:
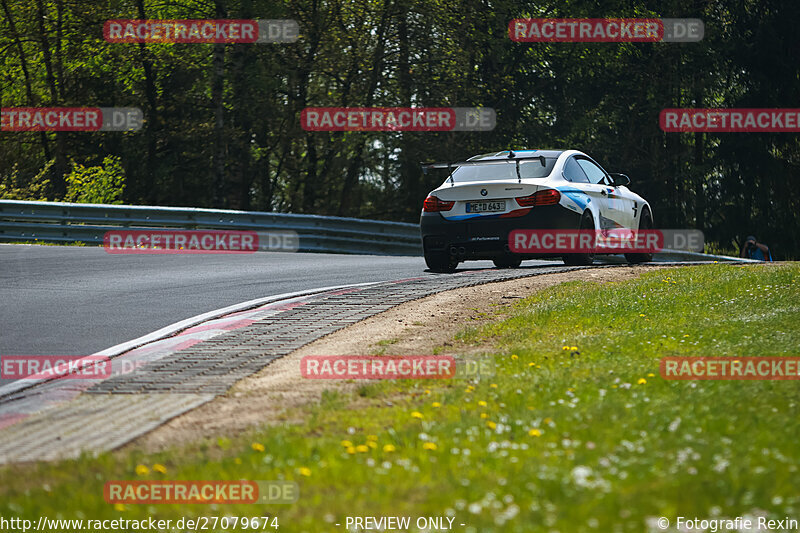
(575, 432)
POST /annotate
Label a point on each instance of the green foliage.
(36, 189)
(96, 185)
(604, 98)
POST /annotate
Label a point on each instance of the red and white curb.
(25, 397)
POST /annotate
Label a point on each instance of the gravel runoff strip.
(119, 409)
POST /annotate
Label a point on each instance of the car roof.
(519, 153)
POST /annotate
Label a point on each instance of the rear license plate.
(486, 207)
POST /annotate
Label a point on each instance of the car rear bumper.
(487, 238)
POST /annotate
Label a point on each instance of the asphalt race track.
(67, 300)
(72, 300)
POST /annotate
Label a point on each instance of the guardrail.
(57, 222)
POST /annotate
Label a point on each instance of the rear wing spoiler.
(510, 159)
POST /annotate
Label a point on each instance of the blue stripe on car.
(465, 217)
(579, 197)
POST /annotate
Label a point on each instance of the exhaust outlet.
(462, 251)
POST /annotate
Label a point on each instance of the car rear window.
(504, 171)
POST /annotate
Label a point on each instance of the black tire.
(507, 261)
(645, 223)
(440, 262)
(587, 223)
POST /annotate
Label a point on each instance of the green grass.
(47, 243)
(611, 451)
(387, 342)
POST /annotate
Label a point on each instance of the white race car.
(488, 196)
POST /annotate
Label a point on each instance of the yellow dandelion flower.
(641, 314)
(304, 471)
(484, 415)
(531, 364)
(686, 335)
(535, 433)
(372, 444)
(388, 448)
(641, 381)
(417, 414)
(565, 347)
(429, 446)
(372, 437)
(436, 404)
(651, 375)
(482, 403)
(119, 507)
(493, 385)
(346, 443)
(257, 446)
(351, 450)
(142, 470)
(491, 425)
(361, 448)
(427, 391)
(514, 357)
(573, 348)
(548, 420)
(161, 469)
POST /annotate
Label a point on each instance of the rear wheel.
(645, 223)
(507, 261)
(440, 261)
(587, 224)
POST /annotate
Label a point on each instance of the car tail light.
(543, 197)
(433, 204)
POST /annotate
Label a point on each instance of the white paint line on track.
(177, 327)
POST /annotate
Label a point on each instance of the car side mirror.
(619, 179)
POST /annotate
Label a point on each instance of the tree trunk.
(241, 164)
(147, 190)
(409, 172)
(60, 165)
(23, 61)
(351, 175)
